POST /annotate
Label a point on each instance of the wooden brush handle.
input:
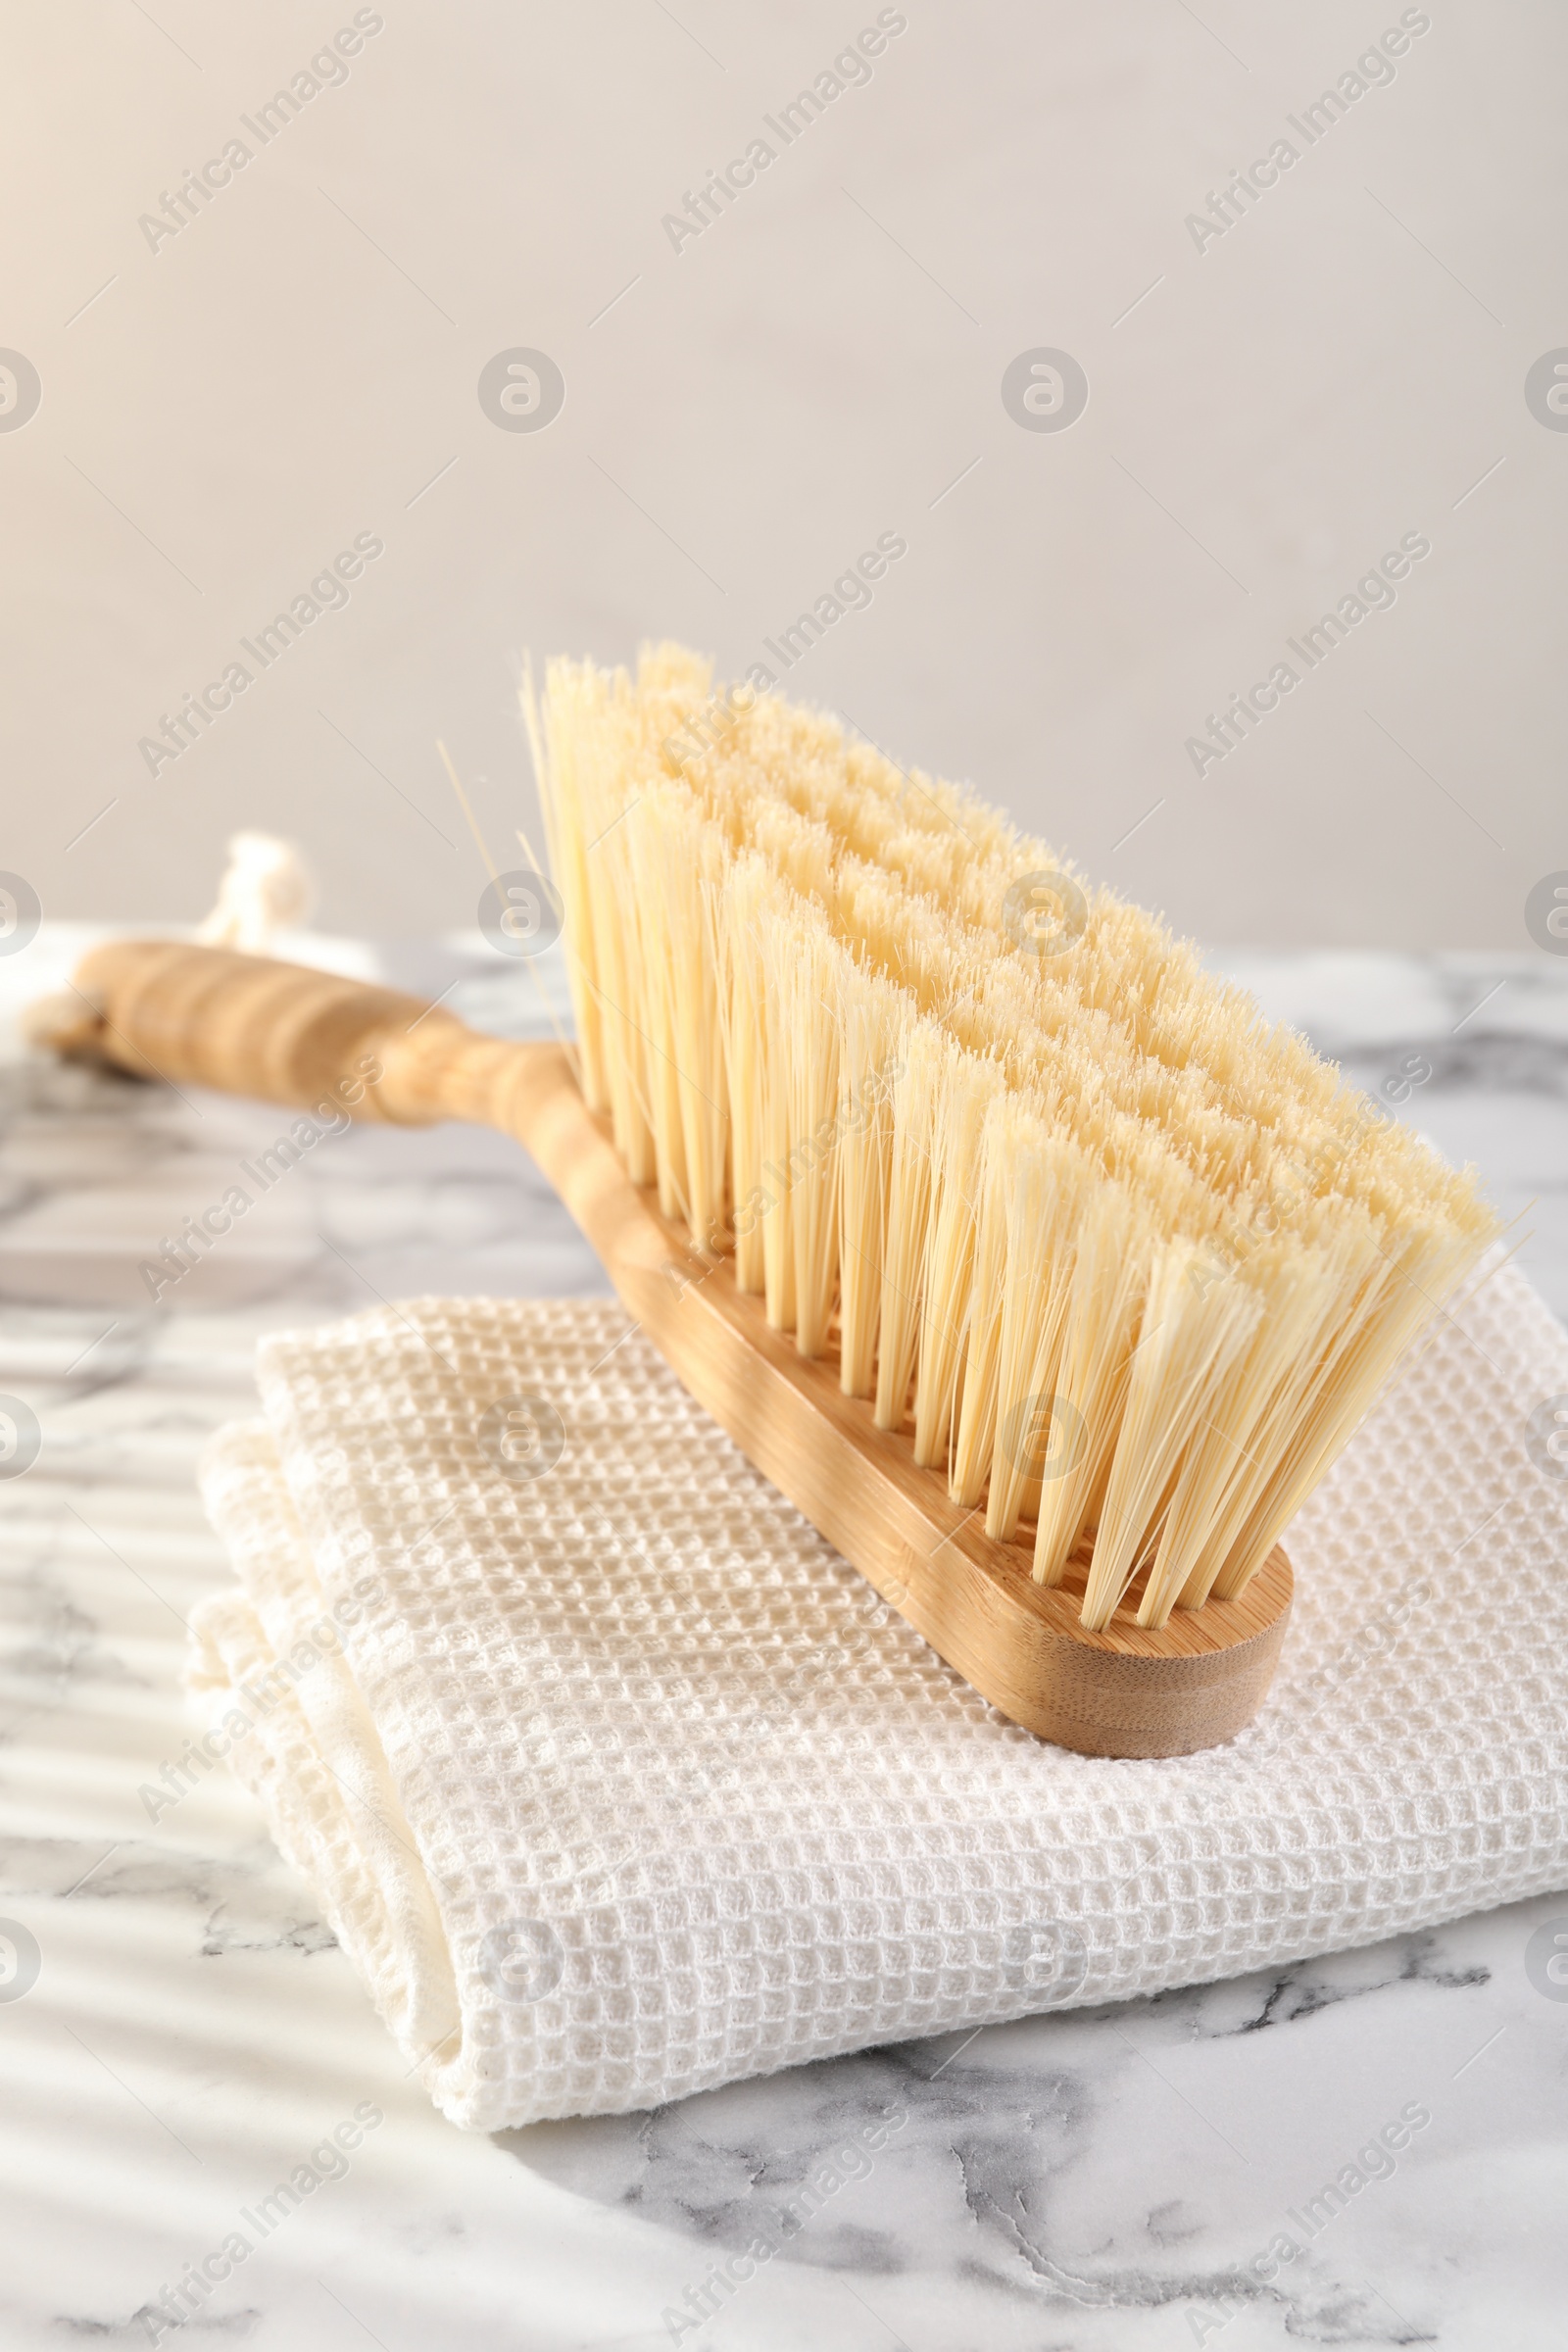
(249, 1025)
(244, 1024)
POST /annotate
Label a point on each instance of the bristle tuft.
(1126, 1264)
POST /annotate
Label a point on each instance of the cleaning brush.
(1039, 1271)
(1132, 1264)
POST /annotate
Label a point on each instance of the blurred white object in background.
(265, 888)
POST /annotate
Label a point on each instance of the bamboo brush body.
(1040, 1272)
(208, 1016)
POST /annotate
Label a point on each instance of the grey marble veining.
(1107, 2179)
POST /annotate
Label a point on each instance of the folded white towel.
(616, 1783)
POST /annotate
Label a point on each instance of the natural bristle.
(1130, 1263)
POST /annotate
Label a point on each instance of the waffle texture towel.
(616, 1783)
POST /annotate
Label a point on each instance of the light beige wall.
(1343, 366)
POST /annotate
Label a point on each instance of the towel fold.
(616, 1783)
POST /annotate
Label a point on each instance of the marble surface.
(1099, 2179)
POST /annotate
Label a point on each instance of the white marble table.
(1074, 2183)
